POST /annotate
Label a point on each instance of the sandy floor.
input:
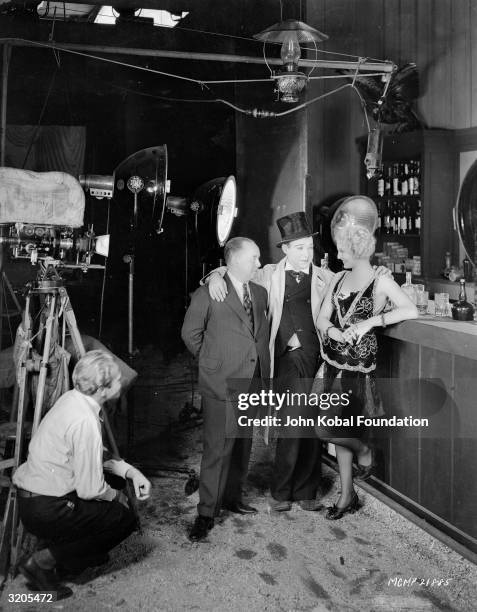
(292, 561)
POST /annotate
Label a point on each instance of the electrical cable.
(103, 284)
(38, 126)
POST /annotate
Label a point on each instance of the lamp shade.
(291, 28)
(217, 201)
(148, 165)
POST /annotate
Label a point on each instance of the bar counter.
(431, 470)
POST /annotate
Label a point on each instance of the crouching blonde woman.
(351, 310)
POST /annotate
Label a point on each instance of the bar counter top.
(440, 333)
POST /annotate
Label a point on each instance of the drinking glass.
(422, 301)
(441, 301)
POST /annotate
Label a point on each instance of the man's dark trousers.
(297, 468)
(225, 457)
(79, 533)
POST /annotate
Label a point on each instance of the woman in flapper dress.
(352, 308)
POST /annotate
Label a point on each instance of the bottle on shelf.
(462, 310)
(405, 179)
(396, 180)
(379, 206)
(388, 181)
(324, 262)
(408, 288)
(381, 183)
(417, 218)
(402, 218)
(395, 217)
(416, 177)
(467, 269)
(447, 265)
(387, 217)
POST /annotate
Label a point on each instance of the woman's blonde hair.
(95, 370)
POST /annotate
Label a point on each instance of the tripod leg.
(69, 315)
(44, 367)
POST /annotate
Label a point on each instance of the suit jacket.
(220, 335)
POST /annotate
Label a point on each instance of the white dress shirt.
(288, 266)
(66, 452)
(238, 286)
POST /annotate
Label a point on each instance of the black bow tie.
(298, 276)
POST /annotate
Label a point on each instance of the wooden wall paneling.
(461, 69)
(316, 17)
(473, 61)
(442, 47)
(336, 108)
(464, 456)
(436, 446)
(392, 36)
(439, 195)
(370, 43)
(404, 445)
(407, 39)
(425, 60)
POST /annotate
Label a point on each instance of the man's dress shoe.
(281, 506)
(240, 508)
(42, 579)
(311, 505)
(201, 527)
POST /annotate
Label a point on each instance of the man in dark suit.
(230, 338)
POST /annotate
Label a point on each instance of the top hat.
(294, 227)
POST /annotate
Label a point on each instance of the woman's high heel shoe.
(363, 472)
(335, 512)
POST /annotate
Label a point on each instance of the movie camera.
(41, 217)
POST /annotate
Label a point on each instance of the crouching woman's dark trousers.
(79, 533)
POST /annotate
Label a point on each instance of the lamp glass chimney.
(290, 52)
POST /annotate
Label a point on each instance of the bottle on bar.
(324, 262)
(462, 310)
(408, 288)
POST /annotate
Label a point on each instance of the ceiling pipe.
(364, 66)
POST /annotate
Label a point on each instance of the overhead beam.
(173, 6)
(364, 66)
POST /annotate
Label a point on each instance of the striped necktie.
(247, 303)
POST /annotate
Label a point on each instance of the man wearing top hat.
(296, 288)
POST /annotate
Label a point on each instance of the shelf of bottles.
(397, 196)
(397, 193)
